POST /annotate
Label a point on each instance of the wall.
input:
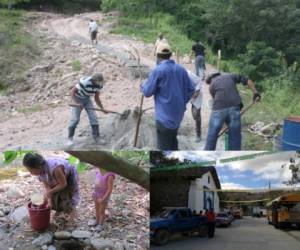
(165, 192)
(196, 193)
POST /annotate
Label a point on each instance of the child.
(103, 188)
(59, 178)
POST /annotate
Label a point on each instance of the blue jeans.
(76, 112)
(232, 117)
(200, 66)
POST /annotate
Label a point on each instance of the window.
(208, 179)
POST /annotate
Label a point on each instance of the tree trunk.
(107, 161)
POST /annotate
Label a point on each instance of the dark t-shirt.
(224, 91)
(198, 49)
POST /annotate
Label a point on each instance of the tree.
(106, 160)
(10, 3)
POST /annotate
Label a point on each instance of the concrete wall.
(196, 193)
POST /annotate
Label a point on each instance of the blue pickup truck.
(173, 221)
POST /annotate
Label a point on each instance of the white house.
(184, 185)
(203, 194)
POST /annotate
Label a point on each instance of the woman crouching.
(60, 180)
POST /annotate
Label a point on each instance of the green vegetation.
(10, 156)
(67, 7)
(76, 65)
(31, 109)
(18, 50)
(257, 38)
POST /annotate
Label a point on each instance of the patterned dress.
(67, 198)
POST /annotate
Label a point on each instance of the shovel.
(226, 129)
(123, 115)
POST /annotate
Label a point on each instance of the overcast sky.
(245, 174)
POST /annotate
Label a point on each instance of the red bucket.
(39, 216)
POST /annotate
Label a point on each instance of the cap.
(98, 78)
(164, 48)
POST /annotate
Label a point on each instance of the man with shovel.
(86, 87)
(226, 108)
(172, 89)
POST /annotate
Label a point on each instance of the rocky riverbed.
(126, 226)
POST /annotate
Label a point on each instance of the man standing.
(196, 102)
(211, 221)
(93, 30)
(199, 50)
(172, 89)
(81, 93)
(226, 108)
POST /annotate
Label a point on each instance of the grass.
(76, 65)
(18, 50)
(34, 108)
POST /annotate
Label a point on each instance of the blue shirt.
(172, 89)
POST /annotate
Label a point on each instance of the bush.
(76, 65)
(260, 61)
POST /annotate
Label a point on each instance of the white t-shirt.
(197, 102)
(93, 26)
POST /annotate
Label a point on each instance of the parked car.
(259, 212)
(224, 219)
(237, 213)
(176, 220)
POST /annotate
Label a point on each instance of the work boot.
(198, 131)
(95, 133)
(198, 139)
(71, 132)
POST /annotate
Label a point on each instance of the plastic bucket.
(291, 133)
(39, 216)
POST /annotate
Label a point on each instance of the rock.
(43, 239)
(119, 246)
(6, 210)
(23, 174)
(75, 43)
(62, 235)
(102, 244)
(14, 193)
(51, 247)
(80, 234)
(20, 214)
(43, 68)
(91, 223)
(126, 212)
(44, 247)
(1, 213)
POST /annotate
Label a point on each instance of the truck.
(259, 212)
(176, 220)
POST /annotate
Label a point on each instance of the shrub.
(260, 61)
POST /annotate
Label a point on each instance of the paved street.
(247, 234)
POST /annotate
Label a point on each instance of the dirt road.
(41, 123)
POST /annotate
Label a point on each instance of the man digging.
(81, 94)
(227, 105)
(172, 89)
